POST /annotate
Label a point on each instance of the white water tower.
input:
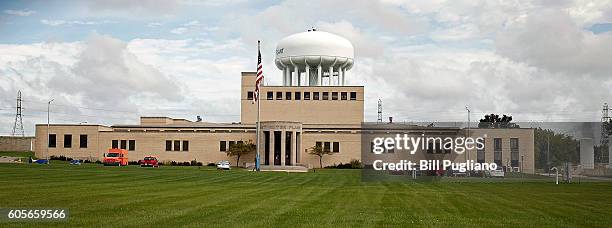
(314, 58)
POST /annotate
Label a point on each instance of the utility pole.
(379, 111)
(18, 126)
(48, 126)
(468, 129)
(548, 156)
(605, 125)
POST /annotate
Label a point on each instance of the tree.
(494, 121)
(554, 149)
(241, 149)
(318, 150)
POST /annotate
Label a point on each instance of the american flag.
(259, 78)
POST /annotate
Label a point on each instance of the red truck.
(149, 161)
(118, 157)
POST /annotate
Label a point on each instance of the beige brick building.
(293, 119)
(313, 106)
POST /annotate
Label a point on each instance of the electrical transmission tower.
(18, 127)
(379, 111)
(605, 129)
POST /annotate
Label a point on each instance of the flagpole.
(257, 166)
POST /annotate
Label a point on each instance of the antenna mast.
(379, 111)
(18, 126)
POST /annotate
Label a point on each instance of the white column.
(331, 75)
(287, 76)
(271, 150)
(343, 76)
(297, 75)
(293, 148)
(307, 83)
(283, 146)
(320, 75)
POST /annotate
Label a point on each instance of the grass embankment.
(192, 196)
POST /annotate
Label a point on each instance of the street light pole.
(48, 126)
(468, 130)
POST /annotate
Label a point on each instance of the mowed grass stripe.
(196, 197)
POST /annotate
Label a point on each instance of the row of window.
(177, 145)
(497, 152)
(334, 147)
(67, 141)
(306, 95)
(225, 145)
(124, 144)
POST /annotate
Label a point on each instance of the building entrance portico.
(280, 143)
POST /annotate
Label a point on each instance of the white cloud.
(179, 30)
(22, 13)
(73, 22)
(571, 50)
(154, 24)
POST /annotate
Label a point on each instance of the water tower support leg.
(343, 76)
(307, 76)
(319, 76)
(331, 75)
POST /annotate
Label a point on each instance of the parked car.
(223, 165)
(149, 161)
(499, 172)
(75, 162)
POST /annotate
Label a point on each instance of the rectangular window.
(480, 154)
(298, 95)
(83, 141)
(315, 95)
(52, 141)
(288, 96)
(353, 96)
(334, 96)
(325, 96)
(336, 148)
(343, 96)
(177, 145)
(168, 145)
(279, 95)
(115, 144)
(124, 144)
(222, 146)
(270, 95)
(132, 145)
(514, 152)
(231, 144)
(319, 144)
(185, 145)
(67, 141)
(250, 95)
(326, 146)
(306, 95)
(497, 151)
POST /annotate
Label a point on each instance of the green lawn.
(24, 154)
(189, 196)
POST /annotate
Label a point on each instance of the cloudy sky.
(109, 62)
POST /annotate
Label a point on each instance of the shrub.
(353, 164)
(60, 158)
(133, 163)
(211, 164)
